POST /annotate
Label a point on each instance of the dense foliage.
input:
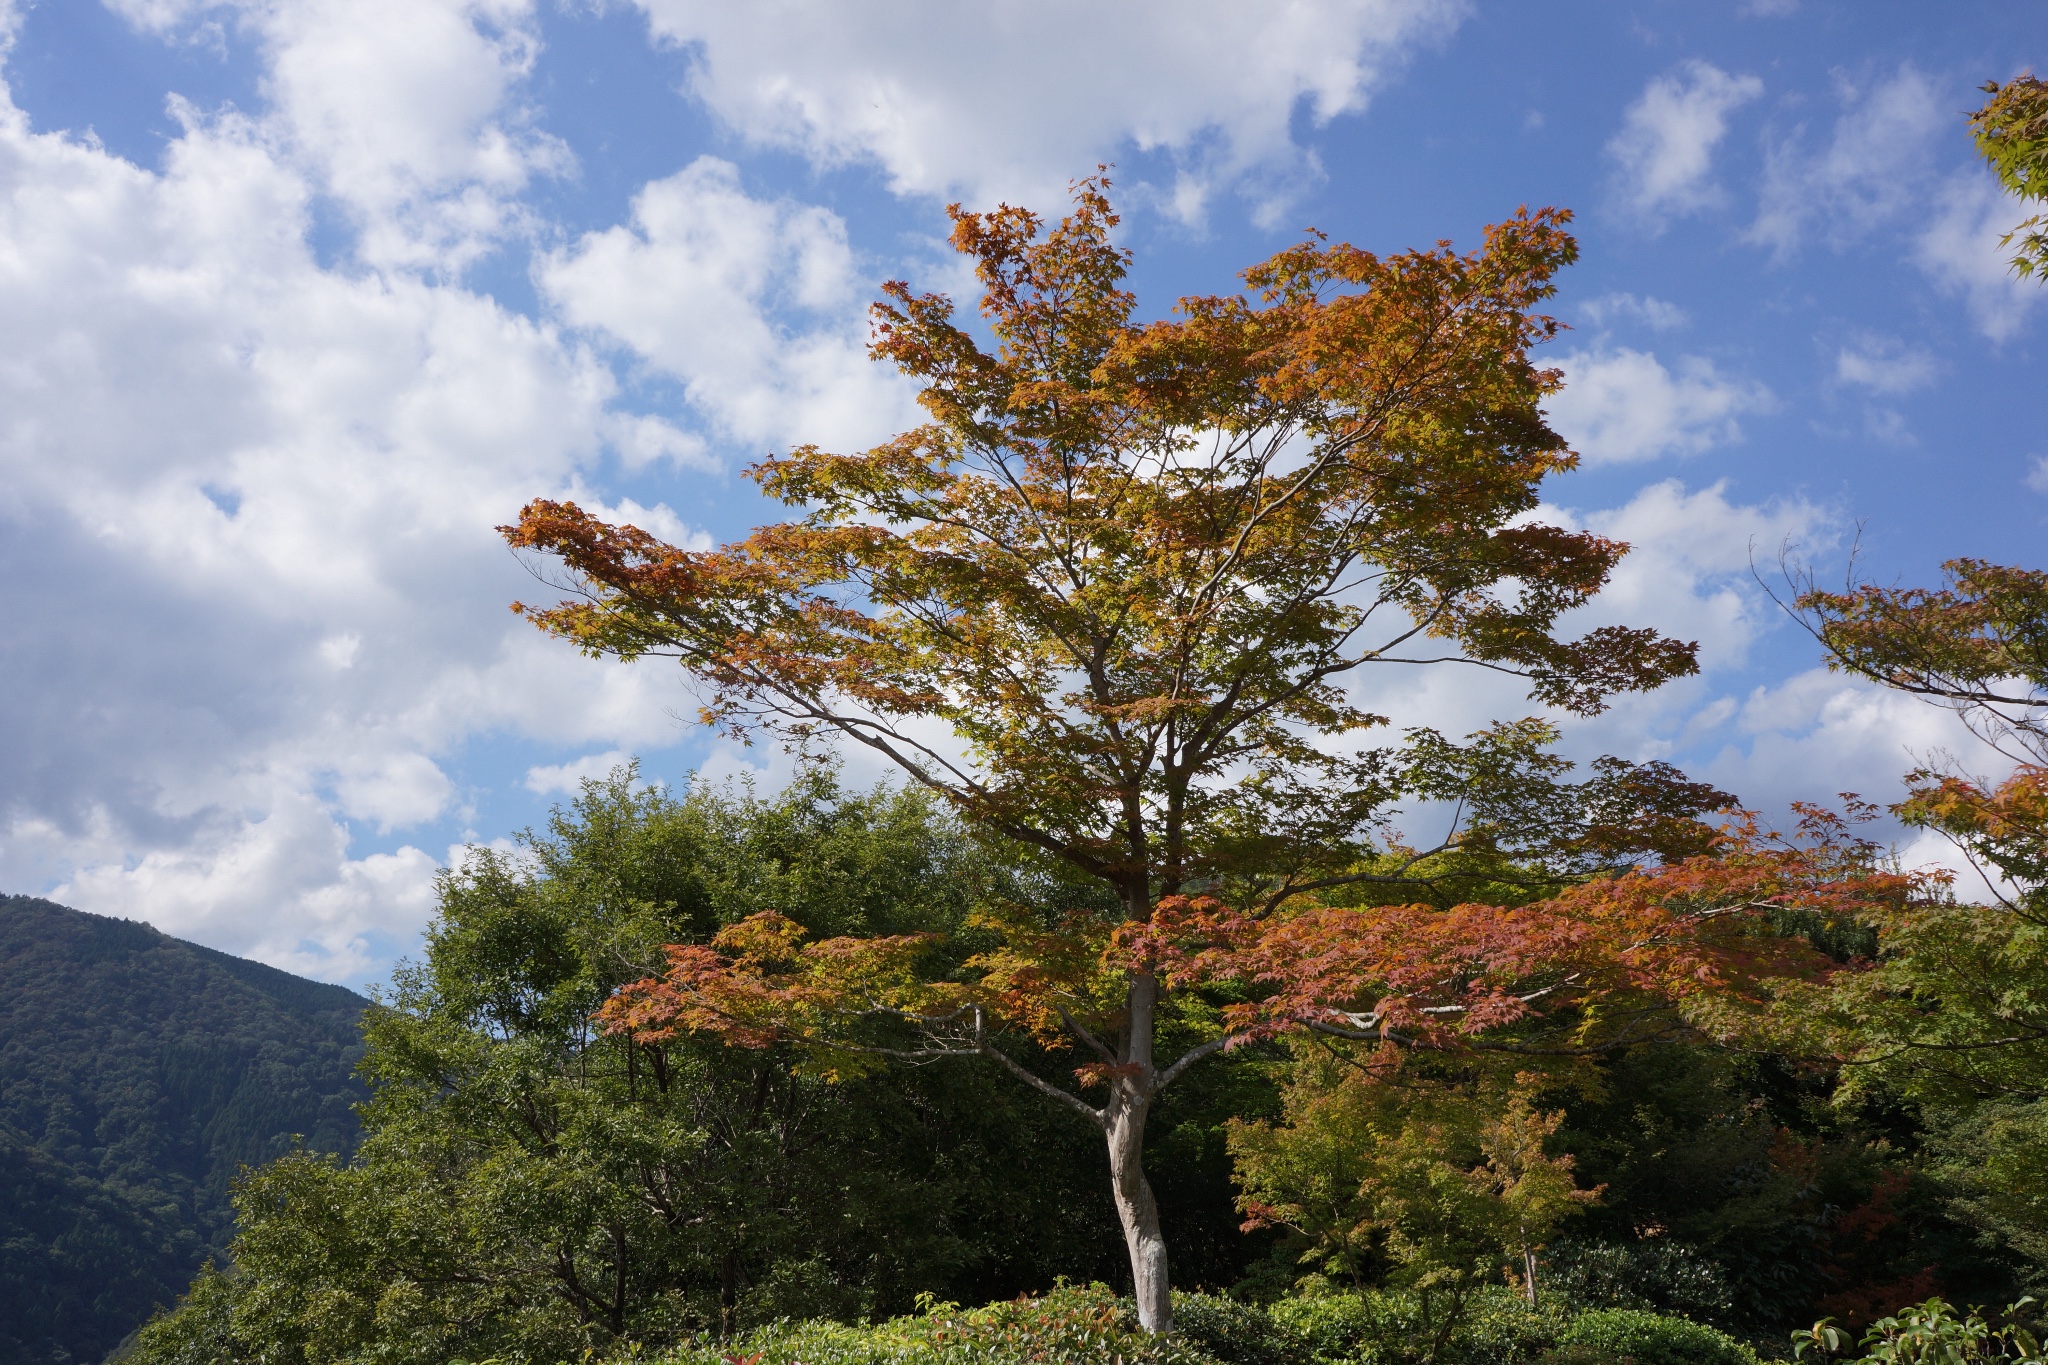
(1089, 1327)
(1952, 1011)
(138, 1075)
(530, 1186)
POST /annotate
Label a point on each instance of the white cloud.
(2037, 476)
(404, 111)
(1884, 364)
(1879, 169)
(1872, 168)
(1654, 313)
(1623, 405)
(568, 778)
(280, 887)
(700, 286)
(252, 497)
(1959, 250)
(1819, 733)
(1664, 153)
(255, 500)
(1688, 571)
(262, 491)
(1926, 848)
(1688, 574)
(1003, 99)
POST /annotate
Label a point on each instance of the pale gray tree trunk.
(1134, 1082)
(1130, 1103)
(1139, 1212)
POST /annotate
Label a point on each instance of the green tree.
(1953, 1009)
(530, 1187)
(1956, 1007)
(1380, 1170)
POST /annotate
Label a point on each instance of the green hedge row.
(1092, 1327)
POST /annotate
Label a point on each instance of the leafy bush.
(1932, 1333)
(1070, 1326)
(1660, 1275)
(1233, 1332)
(1615, 1334)
(1376, 1328)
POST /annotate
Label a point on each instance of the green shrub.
(1617, 1334)
(1660, 1275)
(1933, 1332)
(1092, 1327)
(1235, 1333)
(1069, 1326)
(1375, 1328)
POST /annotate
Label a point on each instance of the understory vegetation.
(531, 1188)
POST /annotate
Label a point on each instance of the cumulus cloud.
(257, 497)
(1664, 153)
(998, 100)
(1689, 568)
(288, 868)
(1689, 575)
(1803, 737)
(703, 284)
(266, 485)
(1871, 167)
(253, 493)
(1820, 733)
(404, 112)
(568, 778)
(1623, 405)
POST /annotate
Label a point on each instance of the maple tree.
(1377, 1163)
(2012, 135)
(1110, 602)
(1956, 1004)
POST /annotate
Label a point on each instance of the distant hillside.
(138, 1073)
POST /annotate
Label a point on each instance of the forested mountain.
(138, 1074)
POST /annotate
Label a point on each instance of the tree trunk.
(1138, 1210)
(1130, 1103)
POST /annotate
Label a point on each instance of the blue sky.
(300, 298)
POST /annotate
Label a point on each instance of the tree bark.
(1130, 1104)
(1139, 1211)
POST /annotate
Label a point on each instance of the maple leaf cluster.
(1707, 943)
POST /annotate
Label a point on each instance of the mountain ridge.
(138, 1074)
